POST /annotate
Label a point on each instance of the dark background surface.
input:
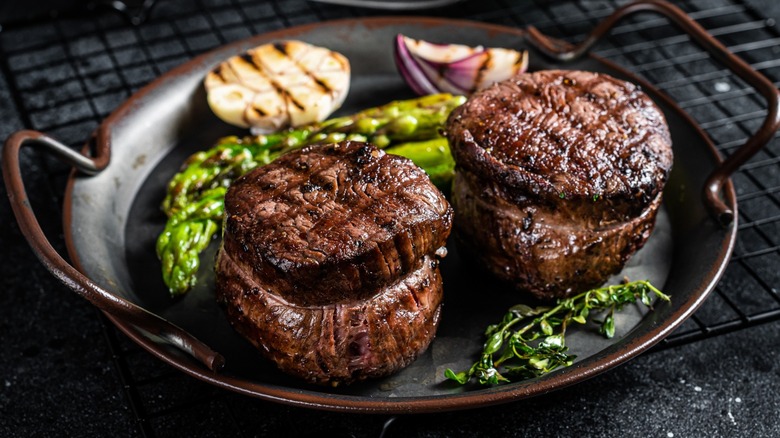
(65, 371)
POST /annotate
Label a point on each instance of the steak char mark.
(328, 263)
(559, 177)
(333, 223)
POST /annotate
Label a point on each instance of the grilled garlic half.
(277, 85)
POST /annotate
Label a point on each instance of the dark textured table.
(65, 371)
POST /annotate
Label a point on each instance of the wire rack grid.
(66, 73)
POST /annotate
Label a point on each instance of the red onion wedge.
(431, 68)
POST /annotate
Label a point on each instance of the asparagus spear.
(194, 201)
(432, 155)
(187, 233)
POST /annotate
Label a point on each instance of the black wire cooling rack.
(67, 72)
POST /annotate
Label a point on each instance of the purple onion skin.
(425, 76)
(456, 71)
(410, 70)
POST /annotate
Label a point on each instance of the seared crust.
(335, 343)
(559, 176)
(328, 261)
(332, 224)
(566, 139)
(531, 249)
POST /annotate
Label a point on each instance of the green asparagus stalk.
(432, 155)
(216, 167)
(194, 202)
(187, 233)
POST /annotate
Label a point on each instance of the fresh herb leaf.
(494, 343)
(461, 377)
(608, 326)
(536, 348)
(546, 327)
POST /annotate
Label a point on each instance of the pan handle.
(712, 188)
(63, 270)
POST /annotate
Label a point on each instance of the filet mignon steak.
(328, 261)
(559, 176)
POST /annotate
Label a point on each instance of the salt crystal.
(722, 87)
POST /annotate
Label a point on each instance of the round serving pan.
(112, 219)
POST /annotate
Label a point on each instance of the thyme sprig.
(539, 346)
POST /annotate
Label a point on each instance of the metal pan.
(112, 218)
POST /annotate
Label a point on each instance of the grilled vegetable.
(432, 155)
(274, 86)
(453, 68)
(195, 199)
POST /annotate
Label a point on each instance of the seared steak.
(328, 263)
(559, 177)
(333, 223)
(336, 343)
